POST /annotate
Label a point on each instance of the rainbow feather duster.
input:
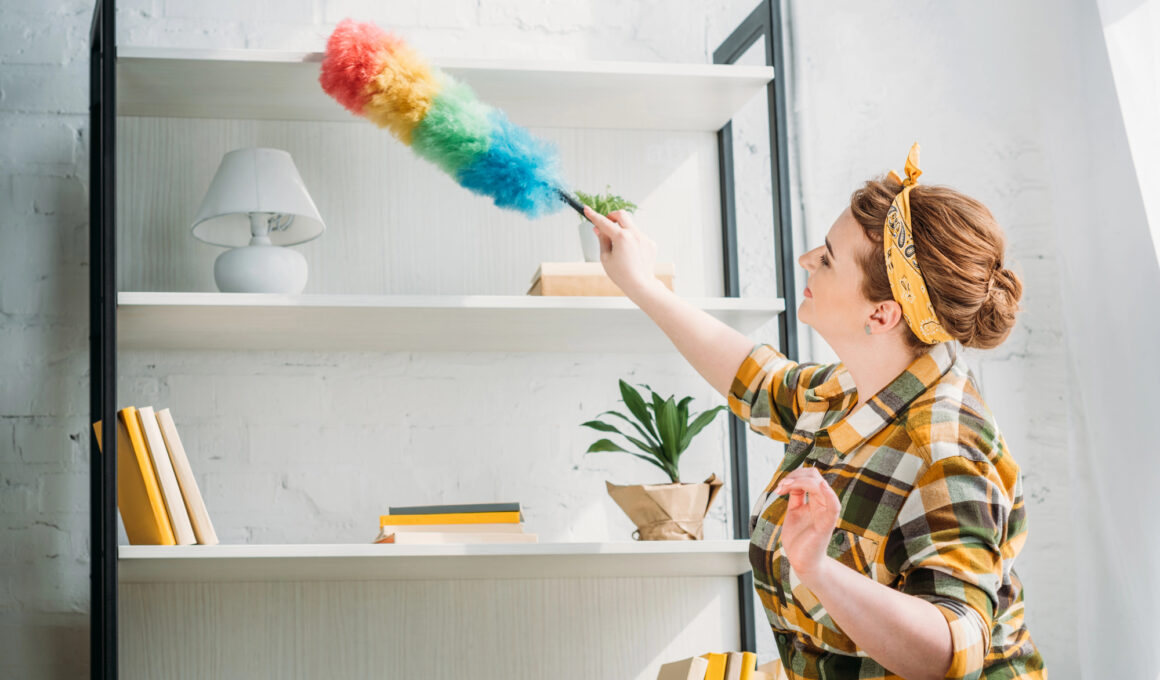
(376, 75)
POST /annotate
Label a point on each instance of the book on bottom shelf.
(739, 665)
(693, 668)
(194, 503)
(462, 523)
(157, 495)
(453, 509)
(441, 537)
(166, 478)
(139, 498)
(716, 668)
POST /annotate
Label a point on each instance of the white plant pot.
(588, 242)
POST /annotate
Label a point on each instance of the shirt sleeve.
(946, 545)
(768, 391)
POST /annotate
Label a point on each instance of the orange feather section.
(399, 96)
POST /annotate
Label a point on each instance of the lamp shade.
(257, 180)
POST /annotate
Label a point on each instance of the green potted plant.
(662, 430)
(603, 204)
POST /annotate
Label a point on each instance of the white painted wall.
(1130, 31)
(1109, 289)
(1013, 103)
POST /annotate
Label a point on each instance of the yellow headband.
(906, 280)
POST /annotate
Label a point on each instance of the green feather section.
(456, 129)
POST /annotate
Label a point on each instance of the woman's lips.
(807, 293)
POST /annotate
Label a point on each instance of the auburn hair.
(959, 247)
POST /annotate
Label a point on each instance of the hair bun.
(996, 315)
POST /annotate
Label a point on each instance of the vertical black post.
(763, 21)
(779, 166)
(102, 344)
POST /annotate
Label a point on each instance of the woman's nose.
(805, 261)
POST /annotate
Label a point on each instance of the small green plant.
(663, 425)
(606, 202)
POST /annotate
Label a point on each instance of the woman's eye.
(825, 260)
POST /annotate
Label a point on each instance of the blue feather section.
(518, 171)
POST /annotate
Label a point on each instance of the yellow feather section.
(400, 95)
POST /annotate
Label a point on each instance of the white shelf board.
(370, 562)
(259, 84)
(514, 323)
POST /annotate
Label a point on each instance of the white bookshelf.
(612, 609)
(272, 85)
(371, 562)
(514, 323)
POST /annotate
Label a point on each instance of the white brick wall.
(847, 126)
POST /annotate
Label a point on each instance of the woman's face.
(832, 303)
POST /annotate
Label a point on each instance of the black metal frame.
(763, 22)
(103, 340)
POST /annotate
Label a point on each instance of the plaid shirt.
(932, 505)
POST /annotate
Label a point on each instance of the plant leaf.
(683, 419)
(699, 424)
(605, 427)
(648, 437)
(605, 445)
(670, 431)
(599, 425)
(635, 404)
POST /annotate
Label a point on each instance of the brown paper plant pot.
(667, 512)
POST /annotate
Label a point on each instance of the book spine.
(453, 509)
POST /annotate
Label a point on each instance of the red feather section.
(354, 56)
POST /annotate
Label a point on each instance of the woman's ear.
(885, 316)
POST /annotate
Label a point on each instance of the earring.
(867, 329)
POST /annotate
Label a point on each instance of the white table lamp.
(256, 205)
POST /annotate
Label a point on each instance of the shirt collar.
(883, 407)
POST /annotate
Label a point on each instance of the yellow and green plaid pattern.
(932, 505)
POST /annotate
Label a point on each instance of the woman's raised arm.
(712, 347)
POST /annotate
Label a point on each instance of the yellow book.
(460, 528)
(138, 495)
(455, 518)
(716, 669)
(748, 666)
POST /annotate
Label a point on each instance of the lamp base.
(260, 269)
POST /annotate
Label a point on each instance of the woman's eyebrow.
(830, 248)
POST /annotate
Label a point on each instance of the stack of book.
(157, 495)
(476, 523)
(724, 666)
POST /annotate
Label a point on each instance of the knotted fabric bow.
(906, 281)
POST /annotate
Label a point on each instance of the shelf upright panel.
(103, 342)
(764, 22)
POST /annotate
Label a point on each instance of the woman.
(883, 546)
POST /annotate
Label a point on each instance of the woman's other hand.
(808, 526)
(628, 255)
